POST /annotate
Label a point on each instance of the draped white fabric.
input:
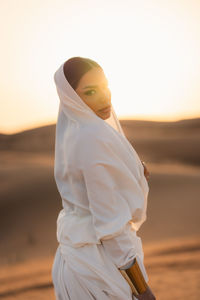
(104, 194)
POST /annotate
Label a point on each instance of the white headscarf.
(112, 170)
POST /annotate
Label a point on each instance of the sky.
(149, 50)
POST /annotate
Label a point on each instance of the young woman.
(103, 187)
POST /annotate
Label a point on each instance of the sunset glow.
(149, 51)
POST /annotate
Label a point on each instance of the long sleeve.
(124, 247)
(116, 200)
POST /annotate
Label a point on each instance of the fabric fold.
(104, 192)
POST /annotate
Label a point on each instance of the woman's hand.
(147, 295)
(146, 172)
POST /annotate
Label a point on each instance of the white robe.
(104, 196)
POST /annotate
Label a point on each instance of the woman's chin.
(105, 115)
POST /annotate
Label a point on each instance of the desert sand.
(30, 203)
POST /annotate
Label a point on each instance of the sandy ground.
(29, 204)
(173, 269)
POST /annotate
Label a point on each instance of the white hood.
(96, 168)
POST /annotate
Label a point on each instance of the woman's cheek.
(96, 104)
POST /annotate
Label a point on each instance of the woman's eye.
(90, 92)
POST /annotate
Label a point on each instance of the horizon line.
(121, 118)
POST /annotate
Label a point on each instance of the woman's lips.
(107, 109)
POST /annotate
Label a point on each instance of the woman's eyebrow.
(92, 86)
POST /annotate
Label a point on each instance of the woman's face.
(93, 90)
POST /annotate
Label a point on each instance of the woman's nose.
(106, 97)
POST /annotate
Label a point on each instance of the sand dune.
(173, 268)
(30, 203)
(166, 142)
(155, 141)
